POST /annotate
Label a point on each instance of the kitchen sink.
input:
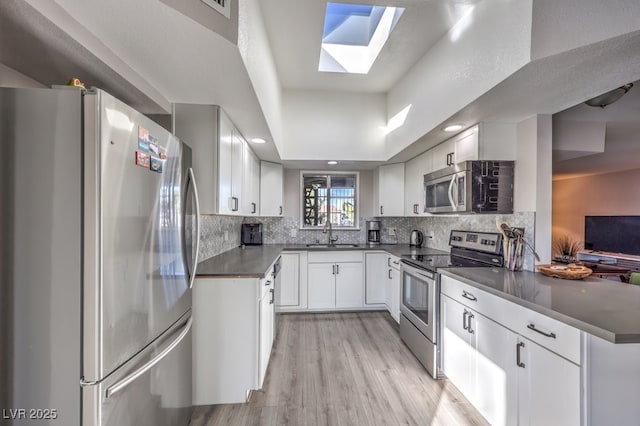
(318, 245)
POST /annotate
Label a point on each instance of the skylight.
(354, 35)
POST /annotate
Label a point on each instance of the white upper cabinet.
(414, 172)
(484, 141)
(271, 189)
(465, 145)
(224, 200)
(251, 183)
(225, 167)
(388, 187)
(443, 154)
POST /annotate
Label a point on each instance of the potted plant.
(566, 248)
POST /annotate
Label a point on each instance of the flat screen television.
(616, 234)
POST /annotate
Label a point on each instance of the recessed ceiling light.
(453, 128)
(332, 162)
(258, 140)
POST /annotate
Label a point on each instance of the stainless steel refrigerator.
(98, 237)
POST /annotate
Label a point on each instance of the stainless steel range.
(420, 293)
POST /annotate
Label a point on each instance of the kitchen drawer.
(335, 256)
(491, 306)
(266, 284)
(393, 262)
(517, 318)
(554, 335)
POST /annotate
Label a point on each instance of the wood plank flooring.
(344, 369)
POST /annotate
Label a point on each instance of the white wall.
(322, 125)
(12, 78)
(533, 185)
(611, 194)
(255, 50)
(480, 51)
(559, 26)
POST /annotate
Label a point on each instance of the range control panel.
(487, 242)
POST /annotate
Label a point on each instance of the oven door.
(418, 299)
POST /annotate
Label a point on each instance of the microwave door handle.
(452, 184)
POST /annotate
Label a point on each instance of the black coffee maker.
(251, 234)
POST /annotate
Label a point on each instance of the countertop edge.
(573, 322)
(278, 249)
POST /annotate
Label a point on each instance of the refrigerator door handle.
(192, 182)
(120, 385)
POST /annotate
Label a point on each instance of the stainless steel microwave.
(470, 187)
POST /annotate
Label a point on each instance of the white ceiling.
(294, 28)
(159, 51)
(622, 137)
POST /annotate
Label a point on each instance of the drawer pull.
(533, 327)
(267, 283)
(519, 363)
(469, 296)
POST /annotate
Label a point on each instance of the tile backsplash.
(285, 230)
(213, 229)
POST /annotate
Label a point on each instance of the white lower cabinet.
(233, 332)
(477, 360)
(267, 313)
(292, 293)
(375, 277)
(548, 387)
(509, 378)
(322, 285)
(392, 295)
(335, 280)
(349, 285)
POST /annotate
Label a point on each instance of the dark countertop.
(603, 308)
(253, 261)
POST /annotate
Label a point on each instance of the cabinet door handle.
(532, 326)
(469, 296)
(272, 297)
(333, 267)
(253, 210)
(267, 283)
(389, 262)
(464, 320)
(519, 363)
(280, 210)
(381, 210)
(415, 209)
(337, 269)
(389, 273)
(235, 204)
(469, 318)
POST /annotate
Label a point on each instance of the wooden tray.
(567, 272)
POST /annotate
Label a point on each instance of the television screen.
(616, 234)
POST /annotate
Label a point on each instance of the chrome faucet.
(324, 231)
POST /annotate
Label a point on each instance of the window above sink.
(329, 196)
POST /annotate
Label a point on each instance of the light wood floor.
(344, 369)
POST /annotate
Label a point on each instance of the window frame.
(356, 225)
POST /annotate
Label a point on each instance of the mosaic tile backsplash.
(212, 233)
(285, 230)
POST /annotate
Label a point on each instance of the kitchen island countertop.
(603, 308)
(253, 261)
